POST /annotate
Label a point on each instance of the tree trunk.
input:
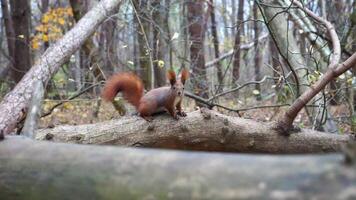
(203, 130)
(215, 41)
(109, 52)
(10, 38)
(44, 170)
(233, 15)
(275, 63)
(225, 18)
(258, 56)
(14, 104)
(21, 19)
(239, 30)
(286, 43)
(143, 30)
(158, 44)
(89, 56)
(196, 20)
(167, 9)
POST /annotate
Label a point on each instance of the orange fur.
(171, 75)
(127, 83)
(184, 75)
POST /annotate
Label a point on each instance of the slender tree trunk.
(233, 15)
(158, 44)
(166, 24)
(110, 53)
(10, 36)
(90, 57)
(237, 57)
(21, 19)
(215, 41)
(184, 33)
(196, 19)
(136, 59)
(277, 68)
(224, 16)
(143, 30)
(258, 56)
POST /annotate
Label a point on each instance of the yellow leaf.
(61, 21)
(35, 45)
(45, 18)
(68, 106)
(45, 38)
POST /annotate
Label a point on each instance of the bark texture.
(21, 20)
(214, 33)
(43, 170)
(201, 130)
(197, 24)
(258, 54)
(237, 55)
(15, 103)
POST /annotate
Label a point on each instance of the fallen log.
(204, 130)
(45, 170)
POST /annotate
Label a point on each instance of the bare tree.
(10, 37)
(258, 58)
(143, 30)
(21, 19)
(239, 30)
(214, 33)
(196, 20)
(158, 43)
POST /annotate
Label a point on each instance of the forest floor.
(84, 111)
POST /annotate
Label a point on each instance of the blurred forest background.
(229, 46)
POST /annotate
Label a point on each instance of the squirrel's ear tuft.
(184, 75)
(171, 75)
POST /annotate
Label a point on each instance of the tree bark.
(9, 29)
(334, 70)
(89, 55)
(225, 18)
(10, 39)
(239, 30)
(15, 103)
(196, 20)
(43, 170)
(21, 19)
(258, 56)
(214, 33)
(143, 30)
(201, 130)
(158, 44)
(275, 63)
(110, 52)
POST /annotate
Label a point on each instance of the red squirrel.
(168, 97)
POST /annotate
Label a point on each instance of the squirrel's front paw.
(175, 117)
(182, 114)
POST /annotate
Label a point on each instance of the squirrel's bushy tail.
(129, 84)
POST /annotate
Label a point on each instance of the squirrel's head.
(178, 85)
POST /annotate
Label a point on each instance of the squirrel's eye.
(174, 88)
(183, 88)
